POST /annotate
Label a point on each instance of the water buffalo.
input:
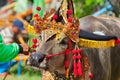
(104, 62)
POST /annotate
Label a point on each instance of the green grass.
(26, 74)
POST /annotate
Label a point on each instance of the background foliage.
(87, 7)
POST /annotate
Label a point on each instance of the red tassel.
(79, 65)
(75, 69)
(79, 51)
(75, 66)
(79, 57)
(74, 51)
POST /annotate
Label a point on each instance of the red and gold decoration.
(70, 27)
(35, 44)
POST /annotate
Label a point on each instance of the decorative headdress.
(52, 21)
(64, 21)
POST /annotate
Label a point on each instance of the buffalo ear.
(64, 41)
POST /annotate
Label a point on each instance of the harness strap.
(64, 52)
(53, 55)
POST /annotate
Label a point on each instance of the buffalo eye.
(64, 41)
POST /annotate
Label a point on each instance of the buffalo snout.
(35, 59)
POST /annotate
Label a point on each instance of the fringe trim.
(96, 44)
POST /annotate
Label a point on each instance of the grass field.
(26, 74)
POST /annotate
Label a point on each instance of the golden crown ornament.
(70, 28)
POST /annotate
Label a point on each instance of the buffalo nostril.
(38, 57)
(41, 59)
(35, 59)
